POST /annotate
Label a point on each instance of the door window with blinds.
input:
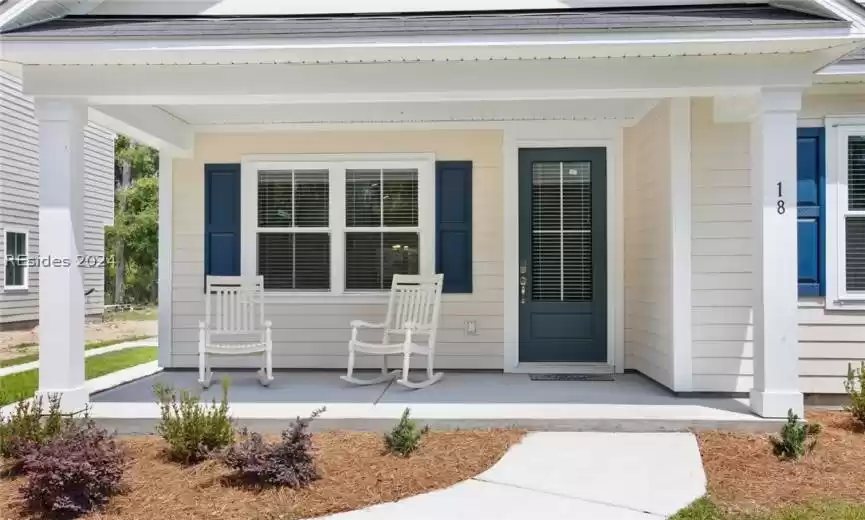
(561, 231)
(852, 211)
(340, 226)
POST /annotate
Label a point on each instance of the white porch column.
(773, 194)
(166, 163)
(61, 244)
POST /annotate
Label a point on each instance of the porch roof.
(704, 17)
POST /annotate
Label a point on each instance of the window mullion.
(381, 233)
(336, 219)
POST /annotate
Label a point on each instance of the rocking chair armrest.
(360, 324)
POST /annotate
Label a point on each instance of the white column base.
(72, 400)
(775, 404)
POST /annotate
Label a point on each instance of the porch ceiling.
(628, 111)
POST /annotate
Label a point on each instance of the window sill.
(16, 289)
(321, 298)
(846, 304)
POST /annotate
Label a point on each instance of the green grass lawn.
(27, 358)
(704, 509)
(13, 386)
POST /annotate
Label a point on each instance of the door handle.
(523, 282)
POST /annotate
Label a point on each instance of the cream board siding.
(828, 340)
(721, 241)
(315, 333)
(721, 253)
(19, 195)
(648, 265)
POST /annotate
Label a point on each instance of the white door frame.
(591, 134)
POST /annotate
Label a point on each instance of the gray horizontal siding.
(19, 195)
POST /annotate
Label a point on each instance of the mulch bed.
(355, 474)
(744, 475)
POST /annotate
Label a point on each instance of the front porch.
(462, 399)
(673, 162)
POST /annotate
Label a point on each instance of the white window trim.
(838, 129)
(336, 164)
(26, 285)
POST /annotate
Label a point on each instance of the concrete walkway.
(146, 342)
(564, 475)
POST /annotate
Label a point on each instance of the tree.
(133, 237)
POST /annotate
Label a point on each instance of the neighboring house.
(19, 207)
(605, 188)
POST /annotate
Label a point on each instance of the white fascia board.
(282, 7)
(147, 124)
(432, 48)
(28, 12)
(420, 82)
(15, 11)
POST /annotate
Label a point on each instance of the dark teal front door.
(563, 243)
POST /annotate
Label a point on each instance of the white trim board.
(337, 165)
(20, 231)
(837, 297)
(592, 137)
(164, 265)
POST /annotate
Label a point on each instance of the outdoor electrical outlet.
(471, 327)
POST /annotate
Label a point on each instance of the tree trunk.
(120, 269)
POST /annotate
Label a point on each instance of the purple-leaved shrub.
(74, 473)
(288, 462)
(27, 427)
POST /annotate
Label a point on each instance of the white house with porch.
(670, 187)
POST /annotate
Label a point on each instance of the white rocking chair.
(413, 313)
(234, 324)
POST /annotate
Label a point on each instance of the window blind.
(381, 221)
(293, 240)
(561, 231)
(855, 218)
(16, 247)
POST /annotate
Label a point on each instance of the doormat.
(571, 377)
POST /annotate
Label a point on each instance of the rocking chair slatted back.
(234, 304)
(415, 299)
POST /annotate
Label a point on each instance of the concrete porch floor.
(460, 400)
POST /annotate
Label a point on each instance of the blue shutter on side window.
(811, 203)
(222, 219)
(454, 225)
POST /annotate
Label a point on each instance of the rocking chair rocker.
(413, 313)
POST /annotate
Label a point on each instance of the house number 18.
(780, 207)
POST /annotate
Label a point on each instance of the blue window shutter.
(454, 225)
(811, 205)
(222, 219)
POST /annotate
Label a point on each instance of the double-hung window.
(850, 206)
(15, 276)
(335, 224)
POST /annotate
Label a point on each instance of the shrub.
(288, 462)
(855, 386)
(74, 473)
(28, 427)
(404, 439)
(193, 430)
(794, 441)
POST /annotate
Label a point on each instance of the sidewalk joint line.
(562, 495)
